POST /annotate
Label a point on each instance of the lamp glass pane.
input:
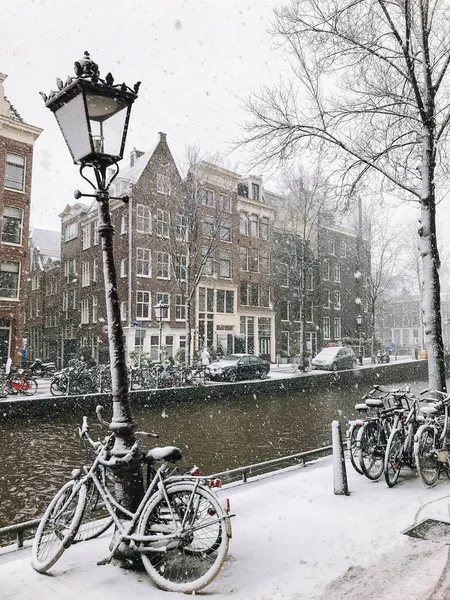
(107, 118)
(72, 121)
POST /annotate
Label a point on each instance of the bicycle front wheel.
(96, 517)
(353, 447)
(372, 446)
(393, 458)
(426, 459)
(58, 526)
(191, 532)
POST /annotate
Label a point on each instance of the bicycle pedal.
(104, 561)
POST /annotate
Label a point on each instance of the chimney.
(134, 155)
(162, 136)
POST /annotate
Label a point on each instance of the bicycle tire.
(32, 387)
(96, 518)
(425, 456)
(58, 386)
(58, 526)
(393, 459)
(372, 447)
(353, 450)
(191, 561)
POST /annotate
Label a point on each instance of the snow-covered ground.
(293, 539)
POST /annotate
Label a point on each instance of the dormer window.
(242, 190)
(255, 191)
(163, 184)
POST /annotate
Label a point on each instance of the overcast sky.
(196, 60)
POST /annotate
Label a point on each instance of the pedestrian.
(204, 356)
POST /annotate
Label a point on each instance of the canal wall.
(365, 377)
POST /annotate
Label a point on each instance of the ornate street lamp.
(161, 313)
(93, 116)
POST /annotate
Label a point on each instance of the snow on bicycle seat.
(429, 410)
(361, 407)
(169, 453)
(374, 403)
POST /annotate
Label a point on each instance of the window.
(86, 236)
(143, 262)
(265, 295)
(326, 270)
(242, 189)
(94, 309)
(253, 225)
(181, 227)
(35, 282)
(225, 301)
(309, 312)
(264, 228)
(164, 298)
(337, 328)
(124, 310)
(326, 299)
(70, 270)
(96, 236)
(84, 311)
(207, 198)
(253, 260)
(343, 247)
(264, 263)
(15, 172)
(207, 262)
(208, 227)
(70, 232)
(326, 328)
(284, 310)
(284, 275)
(180, 267)
(124, 267)
(124, 224)
(244, 294)
(162, 265)
(143, 305)
(309, 279)
(337, 273)
(85, 274)
(254, 294)
(65, 303)
(255, 191)
(224, 203)
(143, 219)
(180, 308)
(225, 264)
(95, 270)
(243, 258)
(9, 279)
(225, 231)
(332, 247)
(162, 223)
(337, 300)
(163, 184)
(243, 224)
(12, 225)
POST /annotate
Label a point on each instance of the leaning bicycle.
(180, 529)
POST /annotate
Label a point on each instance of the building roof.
(47, 242)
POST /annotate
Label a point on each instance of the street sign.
(136, 323)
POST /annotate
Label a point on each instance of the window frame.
(16, 219)
(22, 167)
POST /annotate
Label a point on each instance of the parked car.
(238, 366)
(334, 359)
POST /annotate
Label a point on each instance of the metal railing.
(232, 475)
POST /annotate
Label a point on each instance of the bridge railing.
(15, 535)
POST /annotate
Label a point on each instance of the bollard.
(339, 471)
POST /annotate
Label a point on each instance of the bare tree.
(371, 86)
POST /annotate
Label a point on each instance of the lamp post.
(93, 116)
(359, 320)
(161, 312)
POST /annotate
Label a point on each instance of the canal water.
(216, 434)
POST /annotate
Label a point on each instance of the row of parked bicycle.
(78, 378)
(397, 429)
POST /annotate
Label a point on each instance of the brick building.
(16, 159)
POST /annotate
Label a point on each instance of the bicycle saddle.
(361, 407)
(168, 453)
(374, 403)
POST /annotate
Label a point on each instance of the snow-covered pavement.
(293, 539)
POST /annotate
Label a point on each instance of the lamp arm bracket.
(85, 178)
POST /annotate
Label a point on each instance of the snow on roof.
(47, 241)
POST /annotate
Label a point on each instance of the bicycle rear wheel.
(393, 458)
(191, 533)
(29, 387)
(372, 446)
(426, 459)
(58, 526)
